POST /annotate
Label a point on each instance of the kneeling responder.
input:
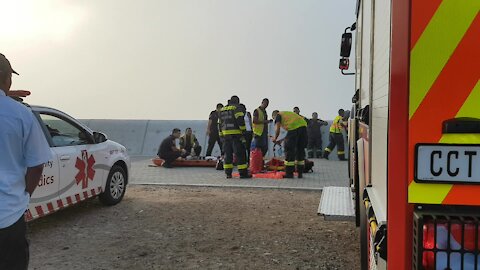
(189, 142)
(295, 141)
(231, 126)
(336, 137)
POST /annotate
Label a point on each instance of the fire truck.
(414, 134)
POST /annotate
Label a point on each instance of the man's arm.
(195, 140)
(32, 178)
(277, 131)
(239, 117)
(181, 143)
(208, 126)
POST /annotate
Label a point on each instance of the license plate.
(447, 163)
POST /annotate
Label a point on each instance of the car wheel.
(115, 187)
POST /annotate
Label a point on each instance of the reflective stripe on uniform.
(228, 166)
(243, 127)
(289, 163)
(301, 162)
(239, 114)
(232, 132)
(340, 152)
(242, 166)
(229, 108)
(328, 150)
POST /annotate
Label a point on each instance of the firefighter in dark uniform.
(295, 140)
(231, 126)
(336, 137)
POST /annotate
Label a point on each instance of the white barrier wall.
(143, 137)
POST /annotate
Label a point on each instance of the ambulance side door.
(44, 199)
(72, 144)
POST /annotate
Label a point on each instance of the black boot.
(289, 171)
(325, 154)
(228, 173)
(244, 174)
(300, 169)
(342, 157)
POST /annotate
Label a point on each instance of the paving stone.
(325, 173)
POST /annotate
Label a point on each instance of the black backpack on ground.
(308, 166)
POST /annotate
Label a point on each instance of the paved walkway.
(326, 173)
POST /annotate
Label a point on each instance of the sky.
(176, 59)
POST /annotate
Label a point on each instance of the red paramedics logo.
(85, 169)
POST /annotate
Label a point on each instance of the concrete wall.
(142, 137)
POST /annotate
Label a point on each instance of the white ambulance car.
(85, 164)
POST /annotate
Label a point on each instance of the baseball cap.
(5, 65)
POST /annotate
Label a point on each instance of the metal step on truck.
(414, 138)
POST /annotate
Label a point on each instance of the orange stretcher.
(266, 175)
(186, 163)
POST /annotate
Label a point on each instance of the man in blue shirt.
(23, 151)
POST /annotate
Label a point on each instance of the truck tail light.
(446, 241)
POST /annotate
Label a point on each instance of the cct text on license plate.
(447, 163)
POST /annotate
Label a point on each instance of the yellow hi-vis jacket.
(292, 121)
(258, 129)
(336, 126)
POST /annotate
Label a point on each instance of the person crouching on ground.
(295, 140)
(168, 150)
(188, 142)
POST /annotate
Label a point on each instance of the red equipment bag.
(276, 165)
(256, 160)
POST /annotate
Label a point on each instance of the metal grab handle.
(64, 158)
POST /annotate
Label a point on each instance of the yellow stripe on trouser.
(436, 44)
(300, 162)
(242, 166)
(435, 194)
(289, 163)
(228, 166)
(232, 132)
(341, 152)
(328, 150)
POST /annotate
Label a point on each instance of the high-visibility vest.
(292, 121)
(183, 140)
(258, 128)
(336, 126)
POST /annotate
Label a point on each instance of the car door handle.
(64, 158)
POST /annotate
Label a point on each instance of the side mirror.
(99, 137)
(344, 64)
(346, 45)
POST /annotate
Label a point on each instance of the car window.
(62, 132)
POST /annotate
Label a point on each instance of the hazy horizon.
(118, 59)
